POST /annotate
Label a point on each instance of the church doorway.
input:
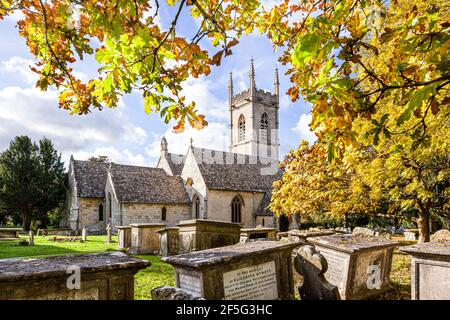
(283, 223)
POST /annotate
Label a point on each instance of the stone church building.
(232, 186)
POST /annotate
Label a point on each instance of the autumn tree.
(134, 51)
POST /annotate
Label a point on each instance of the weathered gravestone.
(201, 234)
(108, 234)
(258, 233)
(124, 236)
(169, 241)
(411, 234)
(258, 270)
(311, 265)
(430, 268)
(144, 238)
(441, 235)
(363, 231)
(30, 238)
(358, 265)
(103, 276)
(83, 235)
(10, 233)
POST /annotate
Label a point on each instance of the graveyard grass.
(160, 273)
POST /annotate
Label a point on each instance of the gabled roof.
(90, 178)
(237, 172)
(176, 163)
(147, 185)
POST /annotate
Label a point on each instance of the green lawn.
(44, 247)
(158, 274)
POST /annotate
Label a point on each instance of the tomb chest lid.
(57, 266)
(228, 254)
(147, 225)
(439, 249)
(352, 243)
(207, 221)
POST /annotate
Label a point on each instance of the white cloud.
(302, 128)
(35, 113)
(201, 91)
(115, 155)
(18, 66)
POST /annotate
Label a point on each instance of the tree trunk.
(423, 223)
(44, 220)
(26, 220)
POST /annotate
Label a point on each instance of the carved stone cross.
(312, 266)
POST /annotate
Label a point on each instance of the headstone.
(83, 235)
(172, 293)
(358, 265)
(102, 276)
(311, 265)
(201, 234)
(144, 238)
(430, 265)
(440, 236)
(124, 235)
(258, 270)
(31, 238)
(363, 231)
(258, 233)
(108, 234)
(169, 241)
(411, 234)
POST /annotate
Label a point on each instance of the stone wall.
(265, 221)
(191, 170)
(89, 215)
(151, 213)
(219, 205)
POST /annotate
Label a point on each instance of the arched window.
(163, 214)
(264, 128)
(236, 206)
(109, 206)
(241, 127)
(100, 212)
(263, 222)
(196, 206)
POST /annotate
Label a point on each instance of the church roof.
(237, 172)
(147, 185)
(176, 163)
(90, 178)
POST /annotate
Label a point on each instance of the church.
(233, 186)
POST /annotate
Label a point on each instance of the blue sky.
(127, 134)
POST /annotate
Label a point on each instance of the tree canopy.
(32, 180)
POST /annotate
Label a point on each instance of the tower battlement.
(258, 94)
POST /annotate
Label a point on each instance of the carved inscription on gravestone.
(337, 268)
(191, 284)
(257, 282)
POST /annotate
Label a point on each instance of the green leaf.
(307, 47)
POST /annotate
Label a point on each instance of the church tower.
(254, 119)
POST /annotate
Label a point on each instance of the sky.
(126, 134)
